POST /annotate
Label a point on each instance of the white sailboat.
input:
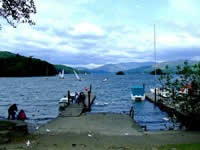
(61, 75)
(105, 79)
(159, 91)
(76, 75)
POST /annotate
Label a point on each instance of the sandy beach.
(98, 131)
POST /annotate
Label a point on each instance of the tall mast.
(155, 50)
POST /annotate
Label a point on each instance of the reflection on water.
(39, 96)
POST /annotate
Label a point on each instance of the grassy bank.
(180, 147)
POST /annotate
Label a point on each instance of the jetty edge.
(191, 123)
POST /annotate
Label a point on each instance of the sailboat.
(156, 90)
(61, 75)
(153, 90)
(76, 75)
(105, 79)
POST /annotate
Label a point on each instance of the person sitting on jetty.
(12, 112)
(81, 98)
(21, 115)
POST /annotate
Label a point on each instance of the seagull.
(28, 143)
(37, 128)
(47, 130)
(90, 135)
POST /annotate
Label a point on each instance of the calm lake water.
(39, 97)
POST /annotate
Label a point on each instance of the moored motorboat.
(138, 93)
(161, 92)
(63, 102)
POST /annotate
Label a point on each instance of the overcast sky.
(95, 32)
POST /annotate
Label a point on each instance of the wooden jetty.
(165, 104)
(76, 109)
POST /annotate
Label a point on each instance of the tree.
(158, 71)
(17, 11)
(184, 87)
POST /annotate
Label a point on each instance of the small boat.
(63, 102)
(105, 79)
(138, 93)
(76, 75)
(161, 92)
(61, 75)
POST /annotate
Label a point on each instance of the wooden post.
(68, 96)
(155, 96)
(90, 88)
(89, 94)
(132, 112)
(89, 97)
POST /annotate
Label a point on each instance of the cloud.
(185, 6)
(85, 32)
(90, 66)
(87, 29)
(189, 53)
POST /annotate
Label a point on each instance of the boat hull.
(137, 97)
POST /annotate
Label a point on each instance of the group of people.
(12, 110)
(79, 98)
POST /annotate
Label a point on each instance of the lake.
(39, 97)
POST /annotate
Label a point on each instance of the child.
(21, 115)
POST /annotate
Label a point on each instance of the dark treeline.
(120, 73)
(20, 66)
(158, 71)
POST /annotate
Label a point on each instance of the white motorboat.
(63, 102)
(138, 93)
(160, 92)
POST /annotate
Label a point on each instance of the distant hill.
(68, 70)
(143, 69)
(172, 66)
(112, 68)
(15, 65)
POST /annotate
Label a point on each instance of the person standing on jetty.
(12, 112)
(81, 98)
(76, 98)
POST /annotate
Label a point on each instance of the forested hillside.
(68, 70)
(15, 65)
